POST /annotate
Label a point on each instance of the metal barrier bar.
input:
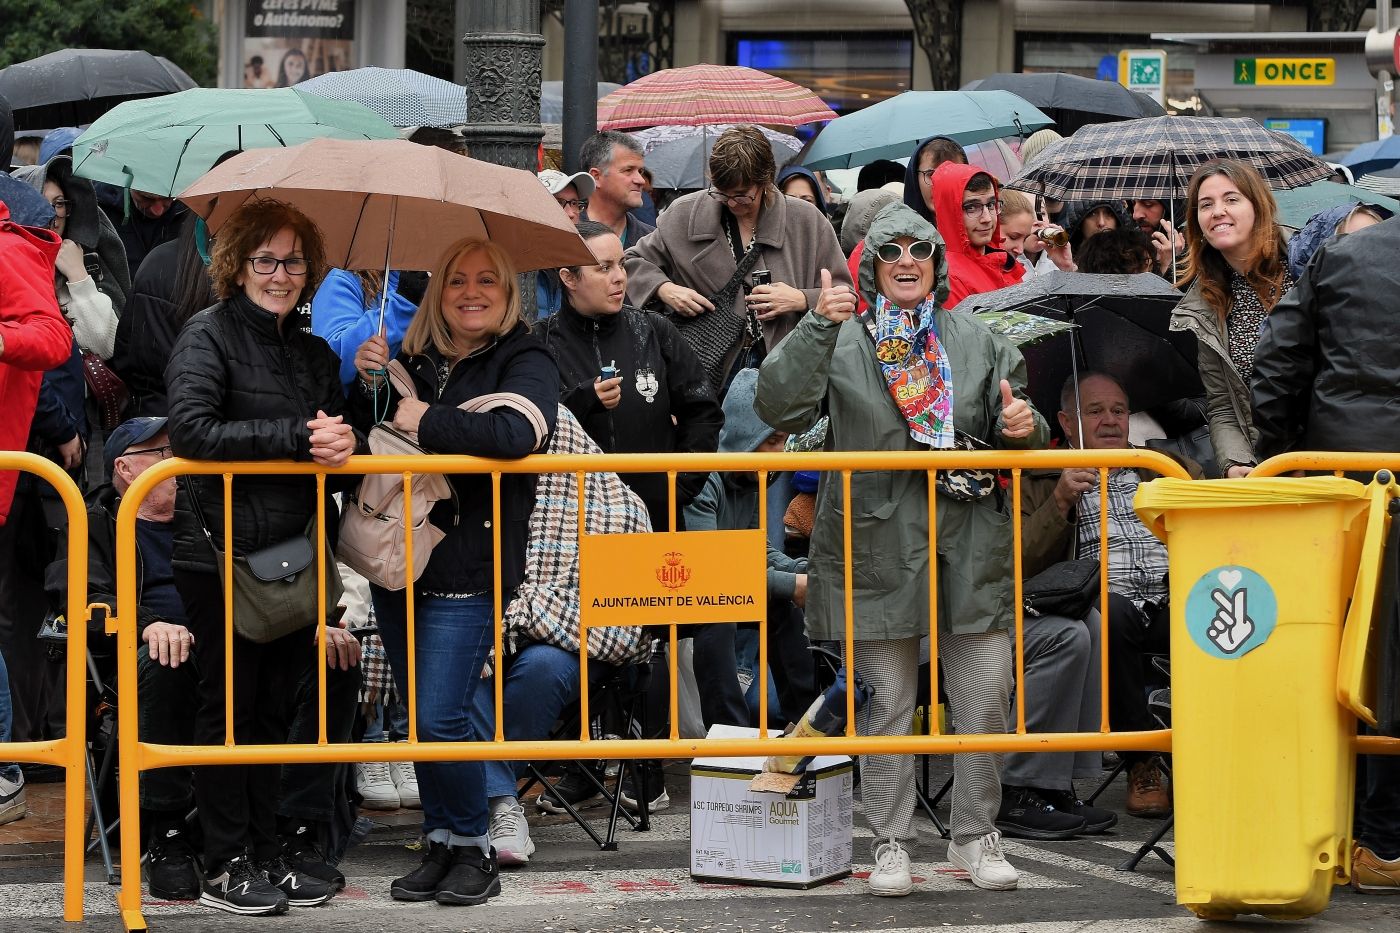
(137, 756)
(1018, 608)
(1337, 463)
(69, 752)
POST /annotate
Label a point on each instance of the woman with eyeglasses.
(967, 205)
(246, 382)
(909, 375)
(708, 245)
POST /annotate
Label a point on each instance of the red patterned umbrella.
(702, 94)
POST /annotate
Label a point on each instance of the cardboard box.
(796, 841)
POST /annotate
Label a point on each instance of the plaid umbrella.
(1155, 158)
(402, 96)
(702, 94)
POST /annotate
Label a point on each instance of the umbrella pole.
(388, 250)
(1074, 372)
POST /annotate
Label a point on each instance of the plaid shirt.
(1137, 560)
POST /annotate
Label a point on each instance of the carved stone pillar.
(503, 52)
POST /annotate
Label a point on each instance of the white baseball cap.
(556, 181)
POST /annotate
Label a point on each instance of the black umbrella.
(1073, 101)
(74, 87)
(1122, 328)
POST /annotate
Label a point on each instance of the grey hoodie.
(729, 501)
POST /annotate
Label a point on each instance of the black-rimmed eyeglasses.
(266, 265)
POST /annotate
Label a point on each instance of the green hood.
(890, 224)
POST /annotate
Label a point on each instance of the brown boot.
(1371, 874)
(1147, 792)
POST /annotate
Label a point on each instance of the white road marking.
(1021, 850)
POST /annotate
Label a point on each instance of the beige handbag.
(372, 538)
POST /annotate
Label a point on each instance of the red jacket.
(37, 338)
(971, 271)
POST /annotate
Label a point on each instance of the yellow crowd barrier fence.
(137, 756)
(69, 752)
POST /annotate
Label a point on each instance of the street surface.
(1066, 887)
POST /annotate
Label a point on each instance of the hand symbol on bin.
(1231, 627)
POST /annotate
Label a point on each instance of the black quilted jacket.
(240, 390)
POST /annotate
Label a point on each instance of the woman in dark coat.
(466, 341)
(246, 383)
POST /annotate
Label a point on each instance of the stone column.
(503, 52)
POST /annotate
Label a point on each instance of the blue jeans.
(453, 638)
(397, 717)
(9, 772)
(541, 680)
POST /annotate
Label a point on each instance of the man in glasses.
(571, 193)
(967, 208)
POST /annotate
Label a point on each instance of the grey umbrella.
(73, 87)
(1073, 101)
(402, 96)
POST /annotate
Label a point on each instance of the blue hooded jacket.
(913, 196)
(811, 177)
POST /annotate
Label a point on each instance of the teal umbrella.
(891, 128)
(1298, 205)
(163, 144)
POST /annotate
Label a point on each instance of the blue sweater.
(344, 317)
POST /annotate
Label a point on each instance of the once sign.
(1285, 72)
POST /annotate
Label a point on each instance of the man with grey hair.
(615, 161)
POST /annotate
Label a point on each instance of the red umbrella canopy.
(701, 94)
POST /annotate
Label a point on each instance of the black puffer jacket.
(146, 332)
(662, 378)
(517, 364)
(241, 390)
(1328, 363)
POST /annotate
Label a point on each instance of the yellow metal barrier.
(69, 752)
(1339, 463)
(137, 756)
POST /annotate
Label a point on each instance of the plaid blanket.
(546, 607)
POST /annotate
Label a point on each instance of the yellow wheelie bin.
(1263, 771)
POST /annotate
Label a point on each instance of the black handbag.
(274, 587)
(714, 333)
(1068, 589)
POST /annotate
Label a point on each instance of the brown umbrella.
(388, 203)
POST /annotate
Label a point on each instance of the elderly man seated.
(166, 675)
(1061, 515)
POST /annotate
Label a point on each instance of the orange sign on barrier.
(678, 576)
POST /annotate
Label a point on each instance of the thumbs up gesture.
(837, 302)
(1017, 419)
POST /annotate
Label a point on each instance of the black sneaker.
(171, 869)
(302, 890)
(472, 879)
(1096, 819)
(239, 888)
(302, 853)
(575, 787)
(1024, 814)
(422, 883)
(655, 788)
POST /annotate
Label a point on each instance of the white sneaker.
(12, 804)
(891, 876)
(510, 833)
(983, 860)
(376, 786)
(406, 784)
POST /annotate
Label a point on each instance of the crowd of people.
(753, 315)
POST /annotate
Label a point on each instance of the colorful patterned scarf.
(916, 369)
